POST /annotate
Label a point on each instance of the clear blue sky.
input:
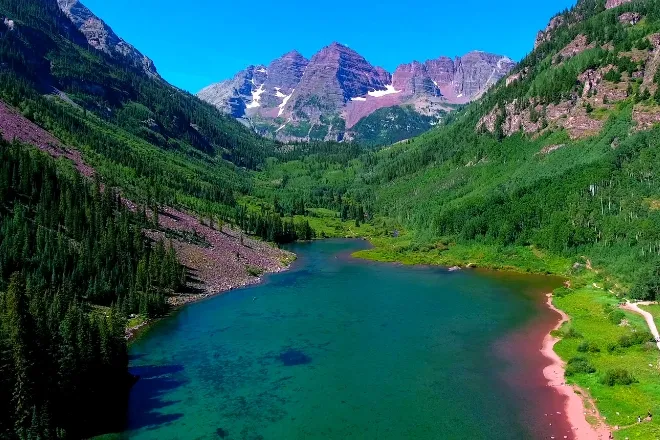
(197, 42)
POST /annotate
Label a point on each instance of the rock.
(577, 46)
(454, 269)
(546, 35)
(611, 4)
(631, 18)
(9, 23)
(646, 117)
(551, 148)
(334, 76)
(590, 78)
(100, 36)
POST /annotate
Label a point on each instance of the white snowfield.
(256, 97)
(389, 90)
(359, 98)
(284, 101)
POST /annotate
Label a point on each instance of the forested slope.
(562, 155)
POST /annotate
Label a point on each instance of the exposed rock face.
(236, 95)
(631, 18)
(100, 36)
(615, 3)
(476, 72)
(335, 75)
(546, 35)
(339, 85)
(575, 47)
(283, 75)
(415, 79)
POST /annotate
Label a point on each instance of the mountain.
(100, 36)
(324, 98)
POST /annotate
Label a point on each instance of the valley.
(125, 197)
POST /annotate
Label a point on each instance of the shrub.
(615, 316)
(617, 376)
(578, 365)
(613, 76)
(571, 333)
(561, 292)
(588, 347)
(637, 338)
(254, 271)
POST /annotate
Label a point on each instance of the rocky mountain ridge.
(100, 36)
(323, 98)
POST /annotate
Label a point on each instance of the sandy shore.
(576, 399)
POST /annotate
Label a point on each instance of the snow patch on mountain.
(284, 101)
(256, 97)
(389, 90)
(358, 98)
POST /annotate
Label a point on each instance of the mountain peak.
(101, 37)
(339, 83)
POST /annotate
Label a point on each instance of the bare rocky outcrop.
(615, 3)
(545, 35)
(646, 117)
(652, 64)
(100, 36)
(631, 18)
(575, 47)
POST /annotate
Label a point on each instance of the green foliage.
(617, 376)
(66, 245)
(588, 347)
(389, 125)
(579, 365)
(571, 333)
(613, 75)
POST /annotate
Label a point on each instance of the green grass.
(620, 405)
(511, 258)
(135, 321)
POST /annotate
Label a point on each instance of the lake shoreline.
(578, 403)
(133, 332)
(574, 413)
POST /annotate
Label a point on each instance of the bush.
(613, 76)
(615, 316)
(617, 376)
(571, 333)
(637, 338)
(561, 292)
(254, 271)
(588, 347)
(578, 365)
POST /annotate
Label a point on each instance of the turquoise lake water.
(339, 348)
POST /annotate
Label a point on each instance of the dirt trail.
(576, 406)
(634, 307)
